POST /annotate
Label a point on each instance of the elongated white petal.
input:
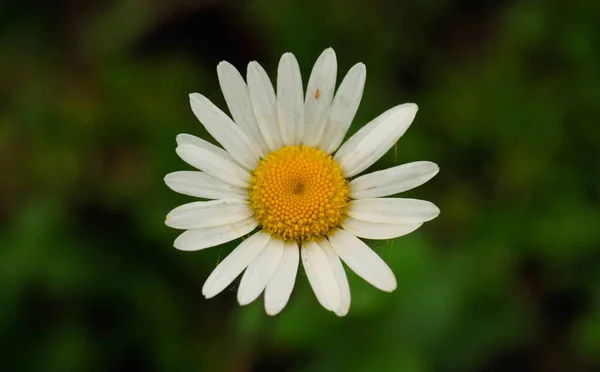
(202, 185)
(392, 180)
(392, 210)
(260, 271)
(344, 107)
(280, 286)
(340, 277)
(214, 164)
(350, 146)
(237, 97)
(377, 142)
(188, 139)
(346, 149)
(224, 130)
(362, 260)
(290, 105)
(376, 230)
(194, 240)
(264, 104)
(320, 275)
(319, 93)
(201, 214)
(234, 264)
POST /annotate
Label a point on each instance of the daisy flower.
(282, 177)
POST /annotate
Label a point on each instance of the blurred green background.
(93, 93)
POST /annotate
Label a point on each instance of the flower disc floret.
(298, 192)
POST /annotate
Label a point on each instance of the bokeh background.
(93, 93)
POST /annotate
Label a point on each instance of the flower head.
(276, 173)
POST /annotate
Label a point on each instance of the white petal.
(214, 164)
(319, 93)
(234, 264)
(320, 275)
(188, 139)
(224, 130)
(376, 230)
(202, 185)
(280, 286)
(260, 271)
(194, 240)
(344, 107)
(392, 180)
(264, 104)
(348, 146)
(201, 214)
(290, 105)
(237, 97)
(392, 210)
(362, 260)
(340, 277)
(372, 143)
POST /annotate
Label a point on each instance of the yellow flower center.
(298, 192)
